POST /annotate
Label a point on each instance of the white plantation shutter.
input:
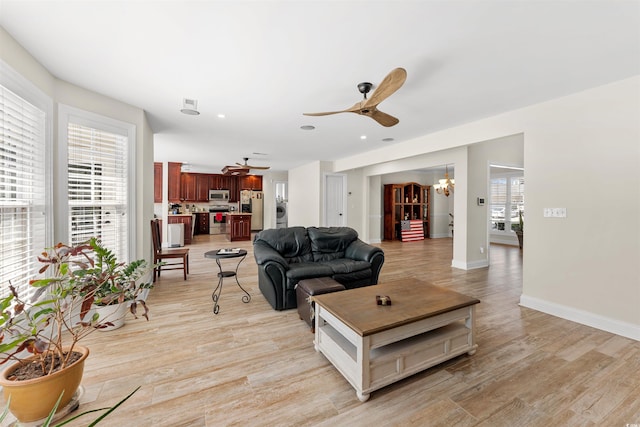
(507, 199)
(22, 190)
(98, 187)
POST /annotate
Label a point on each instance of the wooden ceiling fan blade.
(391, 83)
(384, 119)
(323, 114)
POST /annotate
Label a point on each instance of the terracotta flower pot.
(33, 400)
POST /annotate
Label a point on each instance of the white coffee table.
(373, 345)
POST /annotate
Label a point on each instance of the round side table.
(218, 255)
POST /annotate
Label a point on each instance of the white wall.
(581, 152)
(305, 195)
(65, 93)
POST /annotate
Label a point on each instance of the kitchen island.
(238, 226)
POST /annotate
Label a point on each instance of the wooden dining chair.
(160, 255)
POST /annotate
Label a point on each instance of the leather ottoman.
(307, 288)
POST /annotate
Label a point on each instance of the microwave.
(219, 195)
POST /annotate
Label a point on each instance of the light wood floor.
(253, 366)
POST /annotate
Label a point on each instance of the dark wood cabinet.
(202, 223)
(238, 227)
(187, 220)
(215, 182)
(202, 187)
(157, 182)
(174, 182)
(250, 182)
(188, 187)
(404, 202)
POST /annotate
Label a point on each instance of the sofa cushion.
(346, 265)
(329, 243)
(307, 270)
(292, 243)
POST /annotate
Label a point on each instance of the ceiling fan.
(241, 168)
(369, 107)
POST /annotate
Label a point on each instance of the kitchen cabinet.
(404, 202)
(202, 187)
(250, 182)
(188, 187)
(215, 182)
(157, 182)
(187, 220)
(194, 187)
(174, 182)
(202, 223)
(238, 227)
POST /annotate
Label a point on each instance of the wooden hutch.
(404, 202)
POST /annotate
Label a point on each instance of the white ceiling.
(264, 63)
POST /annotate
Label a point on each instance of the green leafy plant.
(60, 313)
(47, 422)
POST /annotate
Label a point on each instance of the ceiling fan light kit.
(369, 106)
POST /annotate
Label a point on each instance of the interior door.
(334, 200)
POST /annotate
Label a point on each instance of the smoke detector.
(190, 107)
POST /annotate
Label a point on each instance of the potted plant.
(119, 286)
(519, 229)
(42, 334)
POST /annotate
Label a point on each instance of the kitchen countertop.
(238, 213)
(182, 214)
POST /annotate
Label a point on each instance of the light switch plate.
(555, 212)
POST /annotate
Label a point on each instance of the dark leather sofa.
(287, 255)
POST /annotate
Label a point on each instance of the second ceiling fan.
(242, 168)
(369, 107)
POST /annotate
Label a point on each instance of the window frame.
(29, 92)
(68, 114)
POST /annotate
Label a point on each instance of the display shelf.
(408, 201)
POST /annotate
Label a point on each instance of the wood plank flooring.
(253, 366)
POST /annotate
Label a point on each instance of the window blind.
(97, 187)
(22, 190)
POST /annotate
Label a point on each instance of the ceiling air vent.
(190, 107)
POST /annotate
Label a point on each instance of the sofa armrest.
(361, 251)
(264, 253)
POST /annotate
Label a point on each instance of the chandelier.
(446, 185)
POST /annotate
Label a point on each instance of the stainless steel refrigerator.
(253, 202)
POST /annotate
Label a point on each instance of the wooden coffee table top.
(411, 299)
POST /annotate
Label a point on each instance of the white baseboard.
(470, 265)
(597, 321)
(440, 236)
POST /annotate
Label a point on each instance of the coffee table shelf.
(370, 362)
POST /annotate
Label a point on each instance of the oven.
(217, 222)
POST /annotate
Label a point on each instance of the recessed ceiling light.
(387, 139)
(190, 107)
(221, 116)
(363, 136)
(307, 127)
